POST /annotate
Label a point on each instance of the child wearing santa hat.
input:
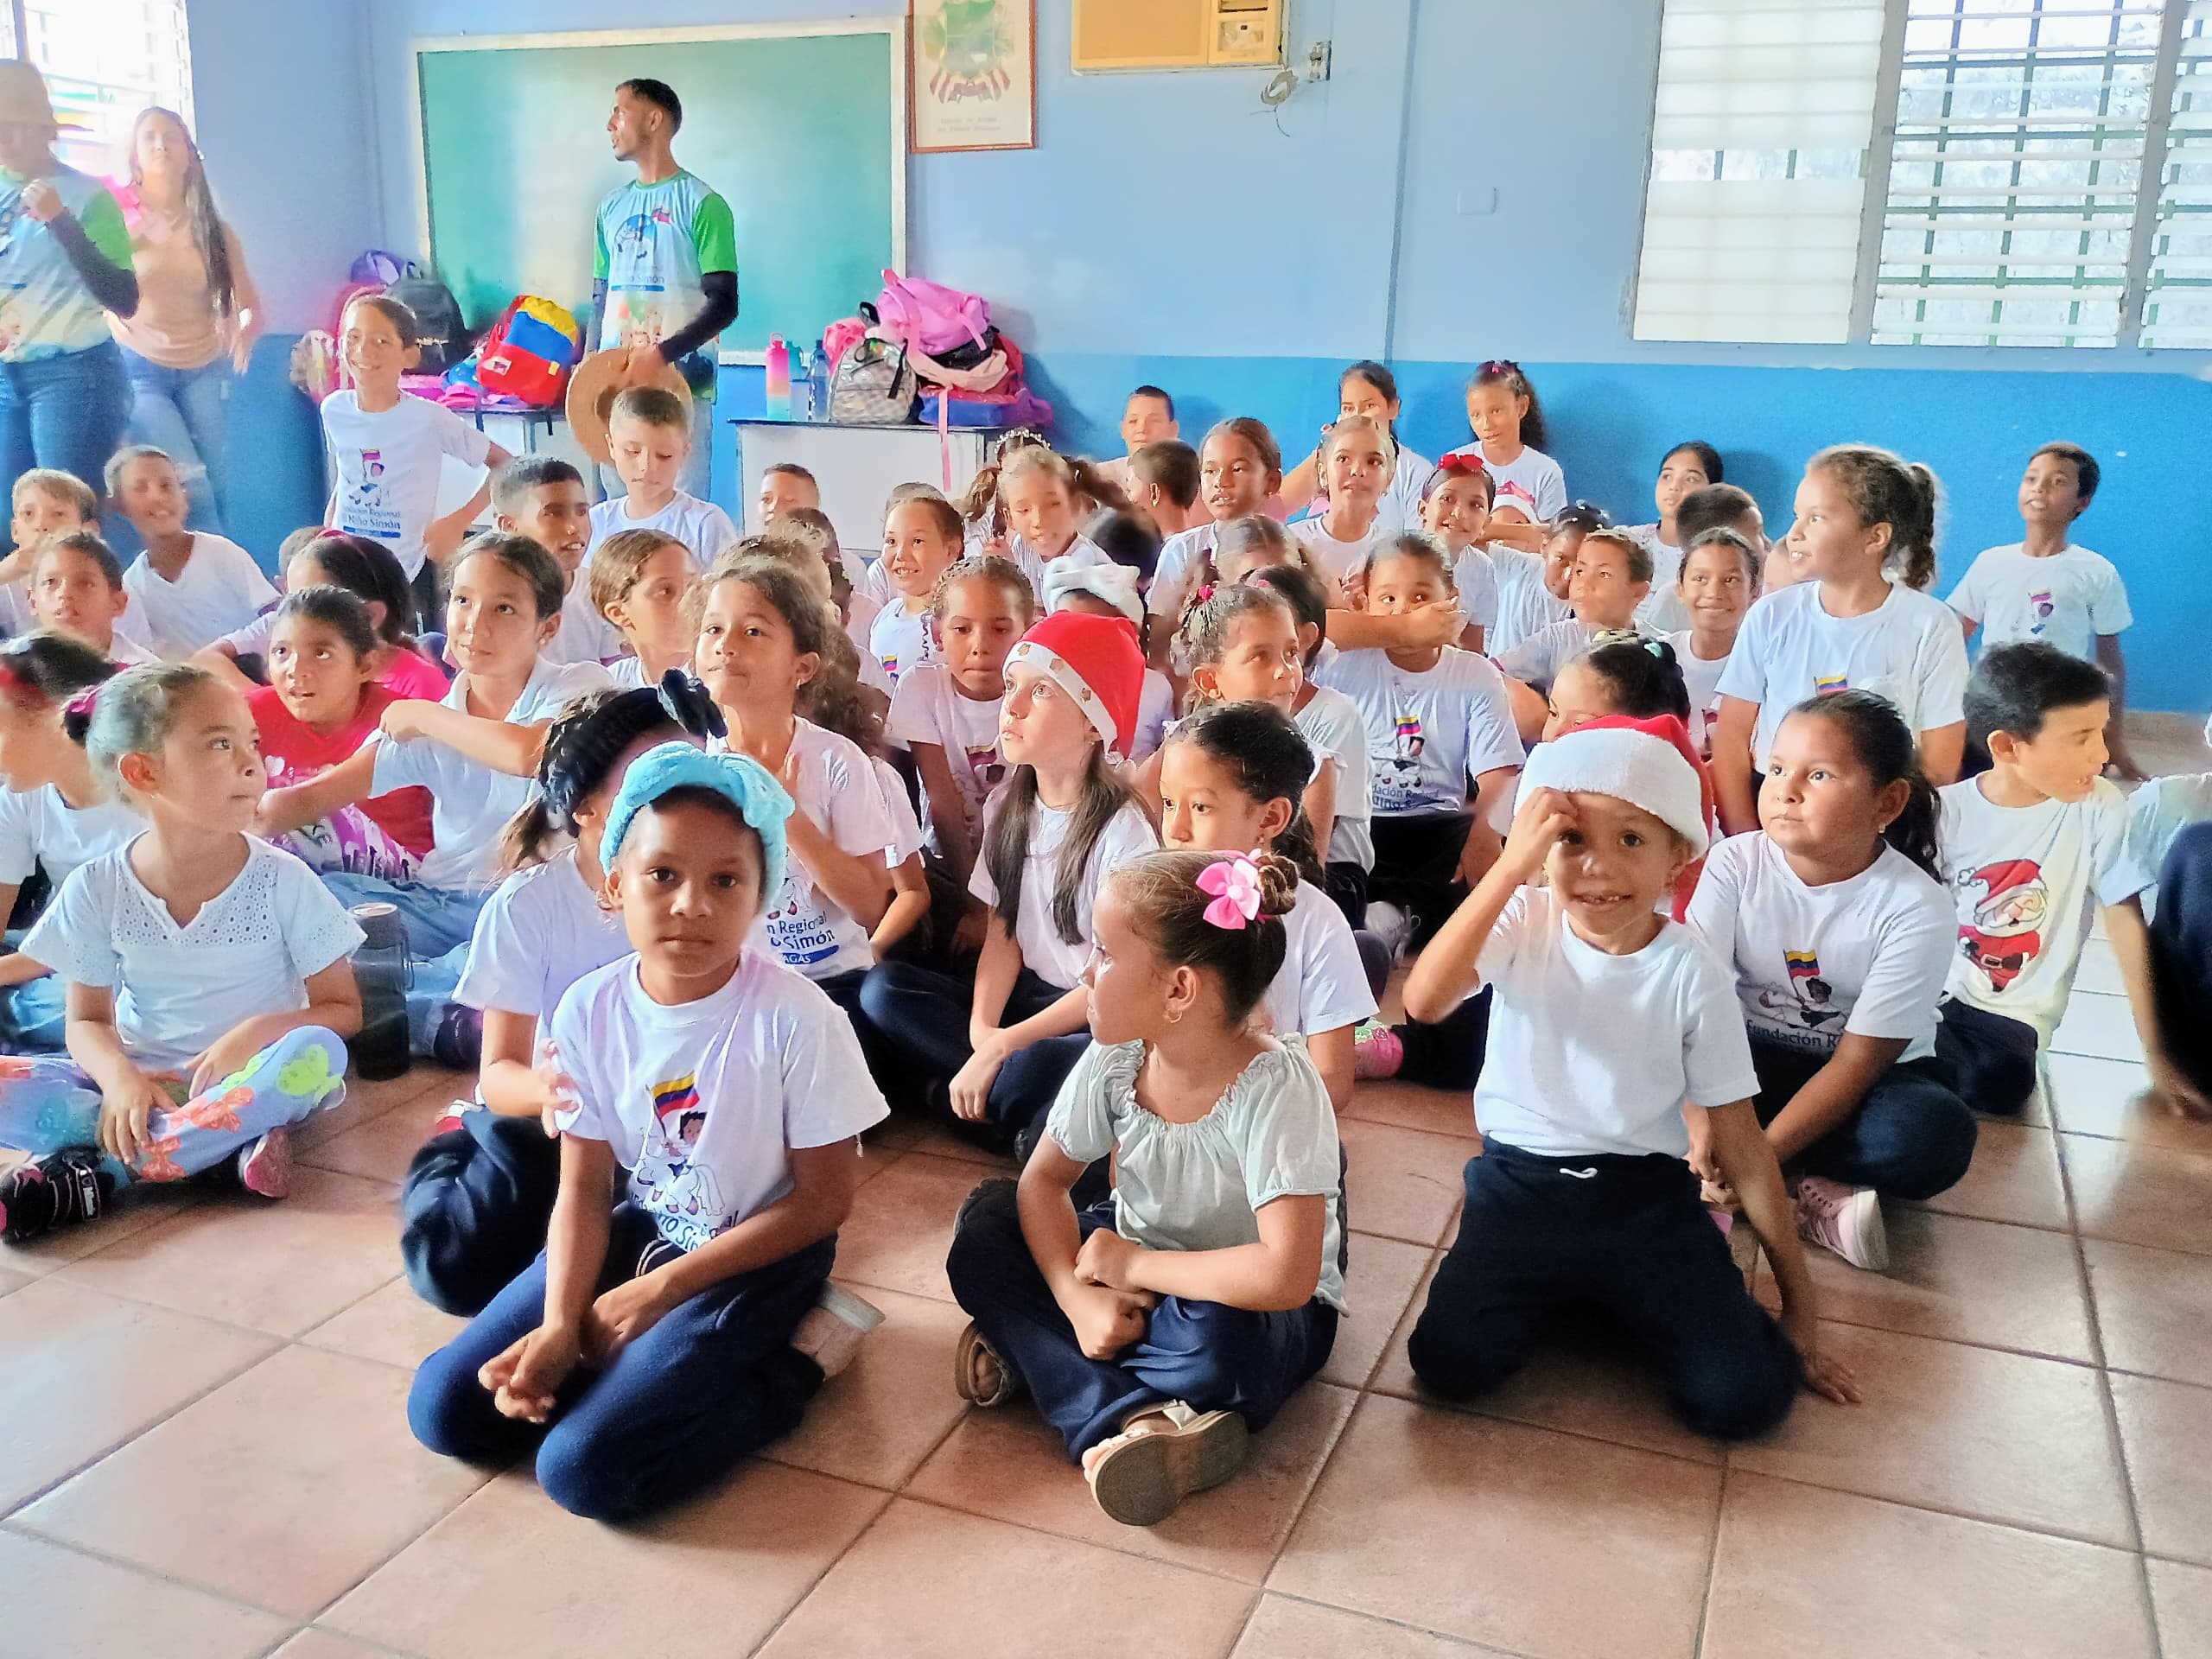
(996, 1052)
(1606, 1021)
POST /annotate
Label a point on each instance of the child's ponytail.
(43, 669)
(1886, 747)
(1187, 905)
(1206, 626)
(1885, 489)
(1089, 484)
(1643, 673)
(586, 737)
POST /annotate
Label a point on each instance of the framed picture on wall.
(973, 75)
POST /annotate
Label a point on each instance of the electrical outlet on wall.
(1317, 60)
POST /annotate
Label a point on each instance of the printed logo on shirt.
(1810, 1004)
(890, 665)
(798, 932)
(668, 1180)
(1518, 495)
(2006, 936)
(1824, 684)
(2041, 609)
(366, 512)
(1397, 774)
(673, 1099)
(988, 768)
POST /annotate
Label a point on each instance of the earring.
(1175, 1018)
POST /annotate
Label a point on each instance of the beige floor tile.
(875, 1423)
(1577, 1383)
(380, 1149)
(1379, 1283)
(1435, 1111)
(322, 1644)
(1964, 1281)
(510, 1572)
(2167, 1429)
(978, 1589)
(2000, 1436)
(80, 1372)
(941, 1142)
(281, 1267)
(282, 1488)
(366, 1101)
(1492, 1532)
(393, 1326)
(2098, 1025)
(144, 1208)
(13, 1281)
(2140, 1194)
(2099, 969)
(901, 1226)
(2111, 1098)
(1401, 1183)
(1818, 1574)
(1007, 1464)
(2183, 1596)
(2154, 1310)
(1283, 1628)
(92, 1610)
(2014, 1177)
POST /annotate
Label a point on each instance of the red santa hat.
(1095, 660)
(1648, 763)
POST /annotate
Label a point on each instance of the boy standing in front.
(649, 432)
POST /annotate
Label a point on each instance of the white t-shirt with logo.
(1868, 955)
(1428, 732)
(928, 708)
(1322, 985)
(2066, 600)
(219, 589)
(1531, 482)
(901, 640)
(1334, 562)
(538, 934)
(2021, 881)
(1663, 610)
(387, 466)
(37, 827)
(1525, 606)
(470, 803)
(1908, 649)
(1044, 952)
(1331, 726)
(1474, 578)
(1702, 679)
(700, 526)
(1171, 573)
(811, 932)
(906, 837)
(1537, 660)
(585, 636)
(704, 1102)
(1589, 1053)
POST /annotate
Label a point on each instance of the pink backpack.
(927, 316)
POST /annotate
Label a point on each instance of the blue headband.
(737, 779)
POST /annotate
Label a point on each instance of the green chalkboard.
(803, 133)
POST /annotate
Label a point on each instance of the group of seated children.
(1089, 819)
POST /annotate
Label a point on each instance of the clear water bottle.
(821, 381)
(802, 385)
(381, 971)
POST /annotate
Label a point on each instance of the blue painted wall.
(1467, 184)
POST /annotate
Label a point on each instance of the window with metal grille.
(104, 61)
(2027, 172)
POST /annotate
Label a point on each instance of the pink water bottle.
(779, 378)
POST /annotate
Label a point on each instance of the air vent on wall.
(1175, 34)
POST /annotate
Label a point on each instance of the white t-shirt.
(928, 708)
(1333, 561)
(250, 951)
(2021, 879)
(2066, 600)
(1330, 723)
(2158, 812)
(219, 589)
(1908, 649)
(901, 639)
(386, 467)
(1322, 985)
(701, 526)
(906, 837)
(809, 932)
(1171, 573)
(1155, 708)
(1079, 554)
(1525, 606)
(1475, 579)
(1537, 660)
(1596, 1053)
(252, 638)
(1868, 955)
(585, 636)
(470, 804)
(538, 934)
(1044, 952)
(1531, 482)
(38, 826)
(703, 1102)
(1428, 733)
(1702, 679)
(1200, 1185)
(1663, 610)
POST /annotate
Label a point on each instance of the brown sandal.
(1141, 1475)
(980, 1375)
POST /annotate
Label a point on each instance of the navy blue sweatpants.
(716, 1380)
(1211, 1357)
(923, 1014)
(474, 1207)
(1910, 1137)
(1627, 1237)
(2181, 953)
(1993, 1059)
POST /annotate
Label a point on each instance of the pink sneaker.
(1377, 1052)
(1845, 1219)
(265, 1167)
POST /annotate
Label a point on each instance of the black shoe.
(998, 1192)
(60, 1190)
(459, 1041)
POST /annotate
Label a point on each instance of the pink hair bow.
(1235, 883)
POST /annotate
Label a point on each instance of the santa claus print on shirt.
(2006, 934)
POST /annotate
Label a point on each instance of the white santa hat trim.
(1057, 669)
(1636, 766)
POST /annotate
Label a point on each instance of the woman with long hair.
(198, 314)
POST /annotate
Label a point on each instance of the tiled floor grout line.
(828, 1567)
(2031, 1528)
(140, 1570)
(1712, 1560)
(1467, 1641)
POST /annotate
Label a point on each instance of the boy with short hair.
(1162, 482)
(649, 434)
(1724, 506)
(1147, 417)
(785, 487)
(544, 498)
(48, 502)
(2044, 587)
(191, 588)
(2023, 847)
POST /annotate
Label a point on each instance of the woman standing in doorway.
(198, 314)
(64, 259)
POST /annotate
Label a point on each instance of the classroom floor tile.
(1282, 1627)
(2138, 1194)
(2014, 1178)
(111, 1610)
(2154, 1310)
(2166, 1427)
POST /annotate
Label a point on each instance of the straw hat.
(592, 391)
(24, 101)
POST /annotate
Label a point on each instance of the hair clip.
(1235, 883)
(689, 707)
(1470, 462)
(1501, 366)
(85, 703)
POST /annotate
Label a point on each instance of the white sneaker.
(830, 1333)
(1845, 1219)
(1390, 924)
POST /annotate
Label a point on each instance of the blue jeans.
(1910, 1136)
(187, 412)
(65, 411)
